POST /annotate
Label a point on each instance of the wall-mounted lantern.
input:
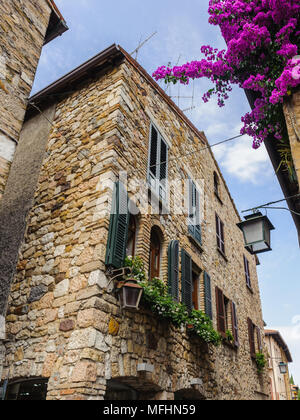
(283, 368)
(130, 294)
(257, 233)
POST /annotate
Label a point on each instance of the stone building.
(25, 27)
(65, 331)
(278, 352)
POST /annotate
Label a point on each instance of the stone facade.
(292, 116)
(61, 322)
(23, 28)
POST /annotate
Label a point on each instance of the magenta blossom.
(262, 37)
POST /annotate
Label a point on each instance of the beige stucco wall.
(280, 382)
(60, 317)
(23, 28)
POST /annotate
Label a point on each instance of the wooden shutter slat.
(208, 297)
(186, 279)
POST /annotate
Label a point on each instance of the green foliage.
(157, 298)
(260, 361)
(229, 336)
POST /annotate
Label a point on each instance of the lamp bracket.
(115, 275)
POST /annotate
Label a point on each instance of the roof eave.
(57, 24)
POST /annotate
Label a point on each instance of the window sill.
(196, 243)
(229, 344)
(223, 255)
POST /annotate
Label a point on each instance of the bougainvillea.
(262, 38)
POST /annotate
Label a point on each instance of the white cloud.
(240, 160)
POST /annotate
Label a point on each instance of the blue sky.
(181, 30)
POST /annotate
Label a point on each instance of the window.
(132, 236)
(155, 253)
(220, 235)
(194, 227)
(255, 341)
(216, 185)
(247, 272)
(31, 390)
(158, 164)
(227, 317)
(195, 290)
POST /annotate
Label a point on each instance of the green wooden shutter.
(118, 229)
(207, 296)
(186, 280)
(173, 269)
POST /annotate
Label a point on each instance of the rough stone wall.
(23, 26)
(292, 116)
(62, 323)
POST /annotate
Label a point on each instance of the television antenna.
(141, 44)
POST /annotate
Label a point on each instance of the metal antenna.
(141, 44)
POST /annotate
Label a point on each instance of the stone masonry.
(23, 25)
(292, 116)
(61, 322)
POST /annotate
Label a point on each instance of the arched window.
(155, 253)
(132, 236)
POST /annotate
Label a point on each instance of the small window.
(216, 185)
(247, 272)
(195, 290)
(158, 164)
(132, 236)
(227, 317)
(155, 254)
(255, 339)
(31, 390)
(220, 235)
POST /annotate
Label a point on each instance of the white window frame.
(159, 187)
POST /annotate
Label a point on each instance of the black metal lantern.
(257, 233)
(130, 294)
(283, 368)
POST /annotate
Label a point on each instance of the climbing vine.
(157, 298)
